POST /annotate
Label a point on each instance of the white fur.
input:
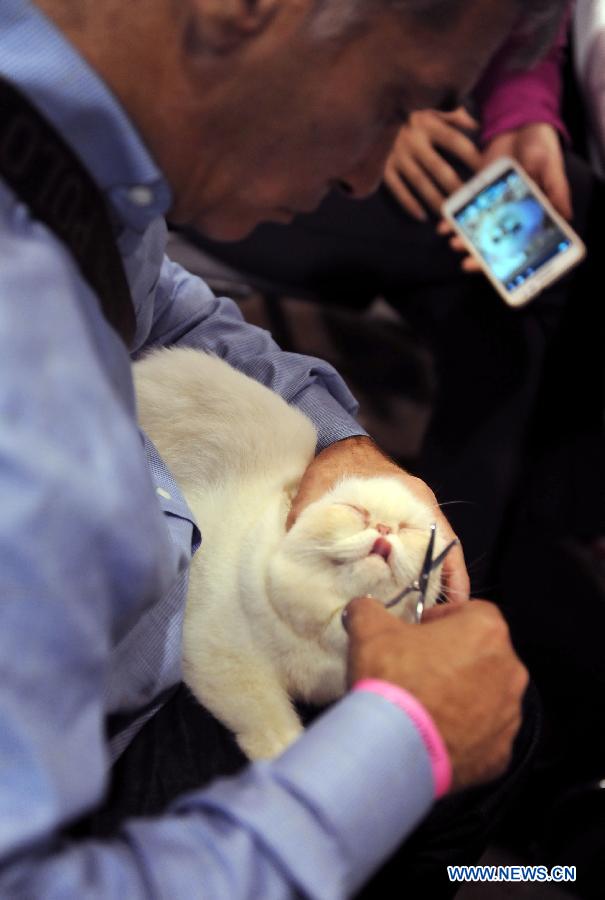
(263, 618)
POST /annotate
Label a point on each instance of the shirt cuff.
(365, 766)
(434, 743)
(340, 800)
(332, 420)
(540, 104)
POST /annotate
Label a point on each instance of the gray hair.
(541, 20)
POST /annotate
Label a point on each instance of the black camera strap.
(48, 177)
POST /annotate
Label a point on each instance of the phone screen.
(510, 228)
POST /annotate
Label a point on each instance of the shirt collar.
(38, 59)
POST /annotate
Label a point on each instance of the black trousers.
(183, 748)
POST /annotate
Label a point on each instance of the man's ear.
(218, 26)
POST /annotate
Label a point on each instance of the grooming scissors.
(421, 583)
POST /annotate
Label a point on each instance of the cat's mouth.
(381, 547)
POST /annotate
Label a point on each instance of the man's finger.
(441, 611)
(457, 584)
(310, 489)
(364, 617)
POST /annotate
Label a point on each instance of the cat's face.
(365, 536)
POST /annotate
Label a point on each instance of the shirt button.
(141, 195)
(163, 493)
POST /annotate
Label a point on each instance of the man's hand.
(360, 456)
(538, 148)
(416, 165)
(459, 663)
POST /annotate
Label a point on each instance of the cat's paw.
(267, 744)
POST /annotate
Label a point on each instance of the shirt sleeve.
(508, 98)
(316, 822)
(184, 311)
(84, 552)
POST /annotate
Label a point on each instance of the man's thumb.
(364, 616)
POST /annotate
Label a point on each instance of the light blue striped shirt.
(94, 556)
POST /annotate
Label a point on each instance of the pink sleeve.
(507, 98)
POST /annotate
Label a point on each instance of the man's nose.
(365, 178)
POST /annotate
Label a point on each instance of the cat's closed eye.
(406, 526)
(365, 515)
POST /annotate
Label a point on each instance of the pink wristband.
(437, 751)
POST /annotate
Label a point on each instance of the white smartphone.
(512, 229)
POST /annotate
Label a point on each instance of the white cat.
(263, 619)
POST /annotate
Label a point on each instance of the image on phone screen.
(511, 230)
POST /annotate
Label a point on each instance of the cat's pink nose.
(383, 529)
(382, 548)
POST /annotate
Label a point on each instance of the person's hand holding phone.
(538, 148)
(509, 225)
(417, 173)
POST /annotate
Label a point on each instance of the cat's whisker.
(473, 563)
(449, 593)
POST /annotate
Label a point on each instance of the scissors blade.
(415, 585)
(425, 572)
(439, 559)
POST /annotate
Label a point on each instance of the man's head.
(541, 17)
(255, 109)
